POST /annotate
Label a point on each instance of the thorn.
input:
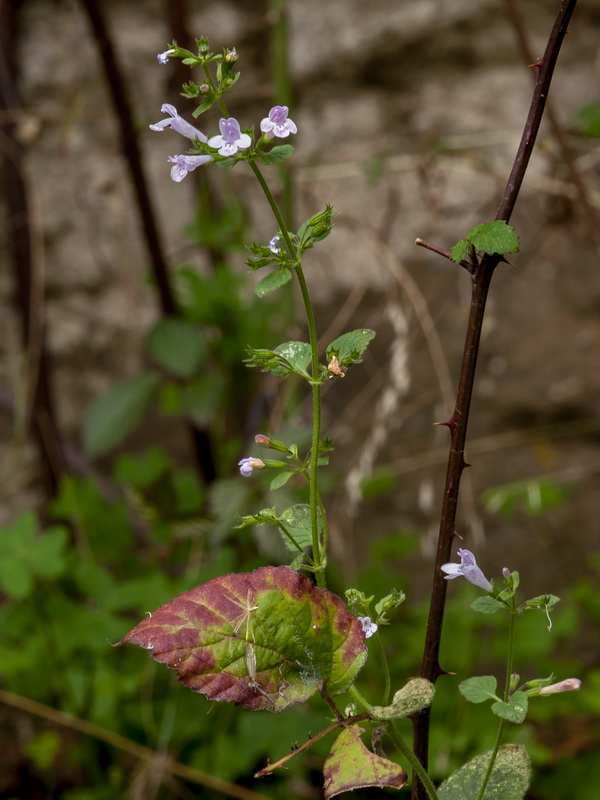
(506, 261)
(464, 464)
(450, 424)
(456, 535)
(440, 671)
(537, 64)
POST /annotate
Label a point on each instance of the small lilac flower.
(468, 569)
(568, 685)
(177, 123)
(163, 58)
(273, 245)
(184, 164)
(277, 123)
(368, 627)
(262, 440)
(248, 465)
(231, 138)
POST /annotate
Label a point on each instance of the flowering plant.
(272, 638)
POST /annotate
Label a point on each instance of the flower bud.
(568, 685)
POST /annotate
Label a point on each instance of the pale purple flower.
(163, 58)
(248, 465)
(277, 123)
(184, 164)
(274, 246)
(177, 123)
(231, 139)
(568, 685)
(368, 627)
(467, 569)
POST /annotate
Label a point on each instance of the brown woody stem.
(481, 279)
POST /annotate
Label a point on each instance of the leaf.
(478, 690)
(513, 711)
(349, 347)
(418, 693)
(280, 480)
(494, 237)
(276, 154)
(297, 354)
(297, 521)
(272, 281)
(114, 414)
(509, 779)
(202, 397)
(26, 553)
(588, 117)
(350, 765)
(263, 640)
(459, 251)
(177, 346)
(487, 605)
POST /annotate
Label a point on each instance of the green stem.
(488, 773)
(505, 697)
(315, 383)
(400, 744)
(413, 761)
(386, 669)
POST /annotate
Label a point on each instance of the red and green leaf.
(351, 765)
(263, 640)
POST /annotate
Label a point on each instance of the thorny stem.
(318, 555)
(457, 424)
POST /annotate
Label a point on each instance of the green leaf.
(27, 553)
(177, 346)
(298, 356)
(276, 154)
(487, 605)
(349, 347)
(297, 521)
(494, 237)
(351, 765)
(291, 358)
(47, 552)
(513, 711)
(202, 397)
(417, 694)
(272, 281)
(459, 251)
(263, 640)
(280, 480)
(113, 415)
(509, 779)
(588, 118)
(478, 690)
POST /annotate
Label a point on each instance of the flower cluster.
(227, 143)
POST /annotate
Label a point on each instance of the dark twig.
(38, 412)
(131, 151)
(590, 211)
(457, 424)
(341, 723)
